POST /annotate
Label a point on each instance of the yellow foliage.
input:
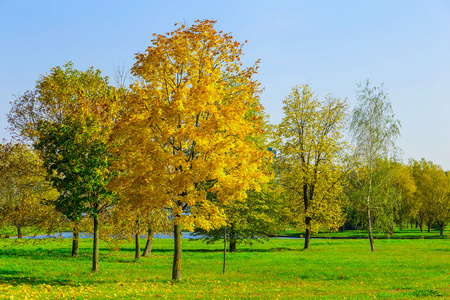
(186, 130)
(311, 158)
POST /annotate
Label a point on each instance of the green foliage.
(254, 219)
(374, 130)
(69, 118)
(78, 165)
(385, 198)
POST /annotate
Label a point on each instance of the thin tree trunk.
(95, 260)
(224, 249)
(307, 232)
(137, 238)
(19, 232)
(75, 240)
(369, 219)
(149, 244)
(176, 268)
(429, 227)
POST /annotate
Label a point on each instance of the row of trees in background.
(186, 145)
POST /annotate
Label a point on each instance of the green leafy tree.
(374, 130)
(69, 119)
(252, 219)
(386, 195)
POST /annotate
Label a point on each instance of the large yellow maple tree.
(188, 127)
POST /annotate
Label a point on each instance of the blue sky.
(332, 45)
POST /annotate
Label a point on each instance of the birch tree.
(373, 129)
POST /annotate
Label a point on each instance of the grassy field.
(278, 269)
(405, 233)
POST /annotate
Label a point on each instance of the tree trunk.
(19, 232)
(149, 244)
(176, 268)
(75, 240)
(95, 259)
(308, 232)
(429, 227)
(441, 227)
(224, 249)
(232, 238)
(233, 246)
(137, 238)
(369, 219)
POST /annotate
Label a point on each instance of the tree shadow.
(44, 254)
(20, 279)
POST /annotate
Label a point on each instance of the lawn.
(331, 269)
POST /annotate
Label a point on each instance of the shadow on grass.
(31, 280)
(166, 251)
(40, 254)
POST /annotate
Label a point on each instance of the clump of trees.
(431, 200)
(186, 146)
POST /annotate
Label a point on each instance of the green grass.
(410, 233)
(331, 269)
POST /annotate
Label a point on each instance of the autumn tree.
(374, 130)
(310, 159)
(23, 189)
(432, 197)
(402, 179)
(68, 118)
(185, 132)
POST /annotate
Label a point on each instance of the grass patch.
(405, 233)
(331, 269)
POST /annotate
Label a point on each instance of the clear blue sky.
(331, 45)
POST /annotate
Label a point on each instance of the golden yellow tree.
(310, 159)
(186, 131)
(432, 197)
